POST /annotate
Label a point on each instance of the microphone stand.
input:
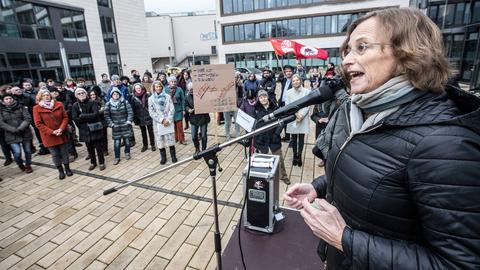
(210, 157)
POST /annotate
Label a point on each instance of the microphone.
(316, 96)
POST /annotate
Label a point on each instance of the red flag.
(282, 47)
(302, 52)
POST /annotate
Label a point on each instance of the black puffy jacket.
(141, 116)
(15, 120)
(267, 140)
(409, 187)
(84, 113)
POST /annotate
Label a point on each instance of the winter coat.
(178, 103)
(15, 120)
(120, 119)
(251, 85)
(408, 187)
(302, 127)
(286, 85)
(101, 110)
(270, 139)
(269, 85)
(248, 108)
(105, 87)
(196, 119)
(67, 98)
(47, 121)
(84, 113)
(240, 94)
(158, 116)
(141, 116)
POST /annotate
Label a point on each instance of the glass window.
(17, 60)
(432, 12)
(6, 12)
(269, 29)
(104, 3)
(343, 22)
(5, 77)
(237, 5)
(249, 31)
(457, 46)
(466, 17)
(260, 31)
(73, 60)
(247, 5)
(73, 25)
(3, 61)
(25, 13)
(449, 16)
(228, 33)
(108, 29)
(227, 6)
(334, 23)
(459, 11)
(35, 60)
(21, 74)
(318, 25)
(476, 12)
(285, 31)
(294, 27)
(328, 24)
(270, 3)
(294, 2)
(308, 26)
(9, 30)
(241, 32)
(441, 10)
(259, 4)
(52, 60)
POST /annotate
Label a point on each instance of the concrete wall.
(94, 30)
(132, 35)
(184, 34)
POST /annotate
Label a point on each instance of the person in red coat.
(51, 120)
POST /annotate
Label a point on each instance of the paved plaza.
(164, 222)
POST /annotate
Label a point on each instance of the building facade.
(182, 39)
(55, 39)
(245, 27)
(460, 25)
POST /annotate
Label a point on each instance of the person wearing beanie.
(269, 84)
(269, 140)
(199, 122)
(161, 109)
(119, 117)
(15, 120)
(86, 117)
(178, 98)
(117, 83)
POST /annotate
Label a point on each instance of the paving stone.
(88, 257)
(94, 237)
(148, 233)
(10, 261)
(123, 226)
(119, 245)
(24, 231)
(65, 261)
(123, 259)
(99, 221)
(35, 256)
(147, 254)
(175, 242)
(143, 222)
(40, 241)
(181, 259)
(62, 249)
(9, 250)
(96, 265)
(73, 229)
(157, 263)
(174, 222)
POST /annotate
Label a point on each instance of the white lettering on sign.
(208, 36)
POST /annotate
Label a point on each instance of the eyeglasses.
(82, 93)
(361, 48)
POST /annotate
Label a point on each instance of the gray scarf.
(381, 102)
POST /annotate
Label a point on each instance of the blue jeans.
(17, 152)
(116, 147)
(228, 122)
(203, 134)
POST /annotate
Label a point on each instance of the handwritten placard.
(214, 88)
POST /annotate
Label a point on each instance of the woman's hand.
(297, 193)
(325, 221)
(165, 123)
(298, 117)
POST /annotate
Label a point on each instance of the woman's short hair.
(156, 83)
(297, 76)
(40, 93)
(417, 44)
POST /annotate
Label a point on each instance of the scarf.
(381, 102)
(47, 104)
(142, 96)
(114, 103)
(160, 99)
(172, 94)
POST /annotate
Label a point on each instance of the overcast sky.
(169, 6)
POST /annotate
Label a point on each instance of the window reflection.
(73, 25)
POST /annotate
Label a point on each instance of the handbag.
(95, 126)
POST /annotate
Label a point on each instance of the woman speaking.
(402, 179)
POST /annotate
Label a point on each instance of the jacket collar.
(450, 107)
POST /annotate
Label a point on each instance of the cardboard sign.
(214, 88)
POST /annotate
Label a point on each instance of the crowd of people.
(63, 115)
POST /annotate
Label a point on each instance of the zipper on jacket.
(329, 196)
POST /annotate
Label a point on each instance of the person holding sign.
(161, 109)
(199, 122)
(300, 126)
(178, 98)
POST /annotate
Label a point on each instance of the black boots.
(68, 172)
(173, 154)
(297, 160)
(61, 173)
(163, 156)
